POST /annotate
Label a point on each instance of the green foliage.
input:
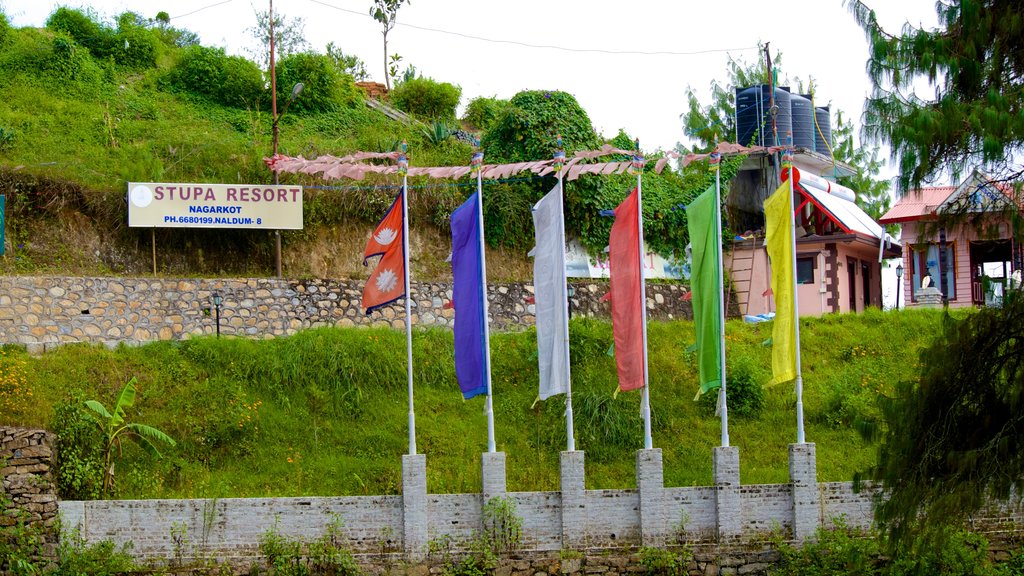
(303, 401)
(529, 127)
(21, 543)
(854, 552)
(745, 396)
(707, 125)
(76, 557)
(665, 562)
(966, 59)
(114, 427)
(5, 27)
(6, 138)
(483, 112)
(131, 45)
(328, 554)
(84, 29)
(347, 64)
(209, 72)
(427, 98)
(502, 527)
(386, 13)
(289, 37)
(437, 132)
(324, 87)
(79, 448)
(951, 439)
(842, 550)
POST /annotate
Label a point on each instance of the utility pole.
(274, 135)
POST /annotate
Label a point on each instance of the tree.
(289, 37)
(954, 438)
(386, 12)
(717, 121)
(975, 63)
(114, 427)
(346, 63)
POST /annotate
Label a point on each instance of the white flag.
(550, 295)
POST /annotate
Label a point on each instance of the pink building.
(839, 247)
(960, 238)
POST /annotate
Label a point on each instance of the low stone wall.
(43, 311)
(28, 495)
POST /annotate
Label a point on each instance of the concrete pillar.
(574, 500)
(728, 510)
(804, 477)
(650, 483)
(492, 465)
(414, 506)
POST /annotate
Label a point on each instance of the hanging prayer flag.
(549, 294)
(467, 297)
(705, 281)
(387, 282)
(624, 280)
(779, 244)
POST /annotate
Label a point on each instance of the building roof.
(917, 204)
(845, 213)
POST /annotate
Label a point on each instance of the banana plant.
(114, 428)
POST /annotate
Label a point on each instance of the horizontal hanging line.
(546, 46)
(424, 186)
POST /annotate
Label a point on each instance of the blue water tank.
(753, 116)
(823, 131)
(803, 121)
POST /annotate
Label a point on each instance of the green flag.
(705, 281)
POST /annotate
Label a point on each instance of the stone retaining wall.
(28, 496)
(43, 311)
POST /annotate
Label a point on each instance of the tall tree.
(289, 37)
(386, 12)
(975, 63)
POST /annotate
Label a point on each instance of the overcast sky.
(483, 45)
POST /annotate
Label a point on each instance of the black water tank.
(803, 121)
(823, 131)
(753, 115)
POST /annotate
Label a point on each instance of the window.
(925, 262)
(805, 270)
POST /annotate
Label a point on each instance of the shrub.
(229, 80)
(527, 130)
(663, 562)
(482, 113)
(85, 29)
(427, 98)
(324, 87)
(79, 466)
(136, 45)
(743, 390)
(5, 27)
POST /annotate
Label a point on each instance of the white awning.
(844, 212)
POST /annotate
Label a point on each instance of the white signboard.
(580, 265)
(176, 205)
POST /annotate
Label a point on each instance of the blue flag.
(468, 299)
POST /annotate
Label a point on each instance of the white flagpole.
(408, 304)
(570, 434)
(491, 447)
(721, 300)
(796, 307)
(645, 398)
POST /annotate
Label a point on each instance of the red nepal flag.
(387, 282)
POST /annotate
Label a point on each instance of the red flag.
(627, 314)
(387, 282)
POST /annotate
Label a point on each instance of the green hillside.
(324, 412)
(91, 105)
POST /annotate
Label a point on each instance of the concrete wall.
(402, 528)
(42, 311)
(652, 515)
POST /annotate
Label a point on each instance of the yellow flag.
(778, 241)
